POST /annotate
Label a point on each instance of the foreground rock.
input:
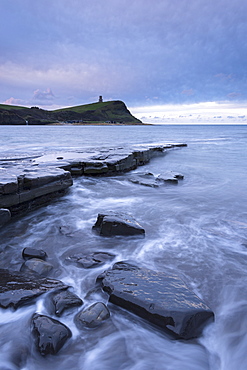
(112, 223)
(160, 298)
(63, 300)
(18, 289)
(50, 334)
(93, 316)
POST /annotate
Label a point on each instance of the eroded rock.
(111, 223)
(50, 334)
(160, 298)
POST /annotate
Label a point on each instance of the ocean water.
(197, 229)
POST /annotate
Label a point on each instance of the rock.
(160, 298)
(93, 316)
(26, 189)
(148, 179)
(51, 334)
(63, 299)
(5, 216)
(37, 265)
(92, 260)
(112, 223)
(18, 289)
(28, 253)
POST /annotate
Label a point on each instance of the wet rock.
(50, 334)
(37, 265)
(112, 223)
(160, 298)
(28, 253)
(93, 316)
(148, 179)
(23, 189)
(18, 289)
(92, 260)
(63, 299)
(5, 216)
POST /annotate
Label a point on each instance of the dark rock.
(63, 299)
(37, 266)
(92, 260)
(160, 298)
(93, 316)
(51, 334)
(117, 224)
(5, 216)
(18, 289)
(28, 253)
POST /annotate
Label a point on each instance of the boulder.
(63, 299)
(112, 223)
(93, 316)
(160, 298)
(91, 260)
(18, 289)
(37, 266)
(50, 334)
(28, 253)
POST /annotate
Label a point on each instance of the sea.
(196, 229)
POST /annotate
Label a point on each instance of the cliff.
(109, 112)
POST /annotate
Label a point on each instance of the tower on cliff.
(100, 99)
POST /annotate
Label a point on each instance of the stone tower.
(100, 99)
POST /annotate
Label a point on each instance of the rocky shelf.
(29, 182)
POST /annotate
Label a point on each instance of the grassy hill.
(110, 112)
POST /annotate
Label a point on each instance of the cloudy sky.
(158, 56)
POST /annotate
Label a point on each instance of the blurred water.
(196, 229)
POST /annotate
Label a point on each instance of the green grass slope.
(111, 112)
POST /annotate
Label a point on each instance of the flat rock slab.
(18, 289)
(51, 334)
(160, 298)
(111, 224)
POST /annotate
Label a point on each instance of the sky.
(167, 60)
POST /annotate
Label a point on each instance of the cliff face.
(112, 111)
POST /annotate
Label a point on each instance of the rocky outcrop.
(50, 334)
(111, 224)
(37, 266)
(93, 316)
(28, 253)
(160, 298)
(18, 289)
(30, 182)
